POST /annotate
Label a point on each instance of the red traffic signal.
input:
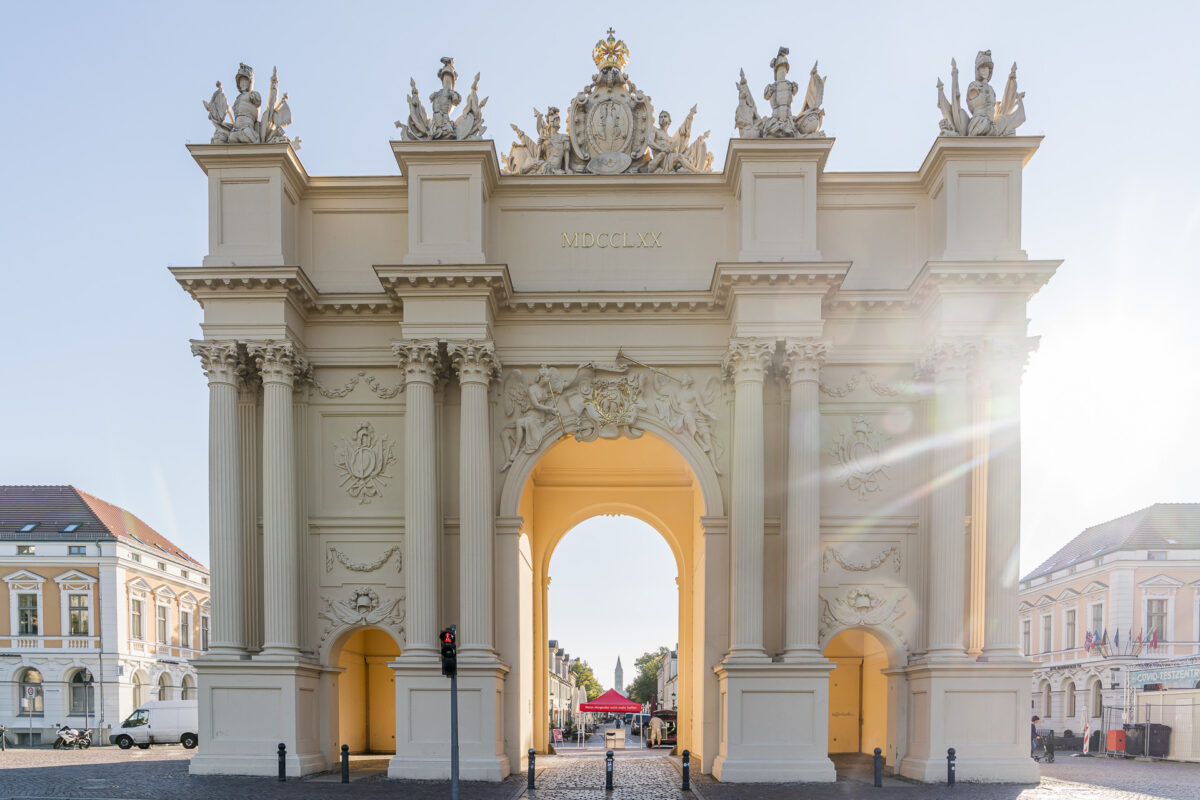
(449, 652)
(448, 636)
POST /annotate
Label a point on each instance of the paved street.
(161, 772)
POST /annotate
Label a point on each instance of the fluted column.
(476, 365)
(1005, 363)
(419, 360)
(948, 362)
(222, 366)
(746, 363)
(802, 529)
(248, 445)
(278, 364)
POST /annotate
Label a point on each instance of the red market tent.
(612, 701)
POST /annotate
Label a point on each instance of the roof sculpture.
(240, 124)
(988, 117)
(467, 125)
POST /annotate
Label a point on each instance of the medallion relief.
(362, 463)
(859, 454)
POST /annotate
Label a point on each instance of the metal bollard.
(950, 767)
(687, 770)
(282, 761)
(529, 785)
(608, 771)
(345, 763)
(878, 768)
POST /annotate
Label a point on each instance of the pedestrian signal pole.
(450, 668)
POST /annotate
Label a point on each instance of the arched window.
(1046, 700)
(30, 688)
(164, 687)
(189, 688)
(83, 694)
(1070, 700)
(1097, 698)
(139, 690)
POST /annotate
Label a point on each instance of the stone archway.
(363, 693)
(652, 478)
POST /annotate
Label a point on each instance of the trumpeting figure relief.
(689, 412)
(437, 124)
(240, 123)
(781, 93)
(987, 116)
(609, 130)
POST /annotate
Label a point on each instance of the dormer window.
(74, 526)
(27, 527)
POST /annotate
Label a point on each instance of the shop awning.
(612, 700)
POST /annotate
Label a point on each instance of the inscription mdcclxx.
(613, 239)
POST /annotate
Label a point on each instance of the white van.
(158, 722)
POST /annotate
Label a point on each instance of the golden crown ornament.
(610, 53)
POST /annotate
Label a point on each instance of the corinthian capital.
(949, 358)
(418, 358)
(804, 357)
(475, 362)
(279, 362)
(1007, 358)
(221, 360)
(747, 359)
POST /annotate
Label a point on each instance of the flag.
(1104, 641)
(1154, 638)
(1087, 642)
(1117, 639)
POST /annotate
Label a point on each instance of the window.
(136, 557)
(141, 716)
(27, 527)
(1070, 700)
(185, 630)
(1097, 699)
(1046, 629)
(188, 691)
(1025, 636)
(1156, 617)
(74, 526)
(204, 631)
(1069, 631)
(164, 687)
(1156, 555)
(1098, 618)
(162, 566)
(77, 550)
(31, 706)
(136, 628)
(183, 573)
(204, 581)
(26, 550)
(27, 614)
(77, 605)
(83, 694)
(1046, 701)
(161, 625)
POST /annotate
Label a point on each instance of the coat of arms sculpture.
(610, 129)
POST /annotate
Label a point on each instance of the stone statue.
(987, 117)
(687, 411)
(609, 131)
(675, 153)
(438, 125)
(780, 93)
(242, 125)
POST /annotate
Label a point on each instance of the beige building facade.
(98, 613)
(1135, 579)
(419, 383)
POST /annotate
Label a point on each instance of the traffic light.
(449, 652)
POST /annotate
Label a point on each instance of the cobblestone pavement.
(161, 772)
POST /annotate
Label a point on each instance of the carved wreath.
(833, 554)
(860, 456)
(333, 554)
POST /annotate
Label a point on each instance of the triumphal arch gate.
(806, 381)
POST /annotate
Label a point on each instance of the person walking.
(1033, 736)
(656, 728)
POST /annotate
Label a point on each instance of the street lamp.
(87, 698)
(673, 705)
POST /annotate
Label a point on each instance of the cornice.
(800, 277)
(205, 283)
(447, 152)
(250, 156)
(774, 150)
(357, 187)
(974, 148)
(981, 277)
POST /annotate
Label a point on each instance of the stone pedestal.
(981, 710)
(248, 707)
(423, 721)
(773, 722)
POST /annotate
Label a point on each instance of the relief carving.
(863, 608)
(832, 554)
(364, 607)
(689, 412)
(362, 462)
(879, 388)
(860, 457)
(371, 382)
(333, 554)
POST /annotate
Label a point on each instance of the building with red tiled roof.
(99, 612)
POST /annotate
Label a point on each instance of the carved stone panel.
(361, 466)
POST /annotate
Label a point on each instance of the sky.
(98, 196)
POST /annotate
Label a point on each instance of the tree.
(645, 685)
(587, 679)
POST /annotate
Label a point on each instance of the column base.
(423, 721)
(979, 709)
(248, 707)
(774, 722)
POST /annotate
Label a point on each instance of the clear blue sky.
(98, 196)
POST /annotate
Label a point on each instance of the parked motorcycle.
(73, 738)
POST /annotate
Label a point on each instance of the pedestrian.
(656, 726)
(1033, 736)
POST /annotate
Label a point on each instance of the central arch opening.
(649, 480)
